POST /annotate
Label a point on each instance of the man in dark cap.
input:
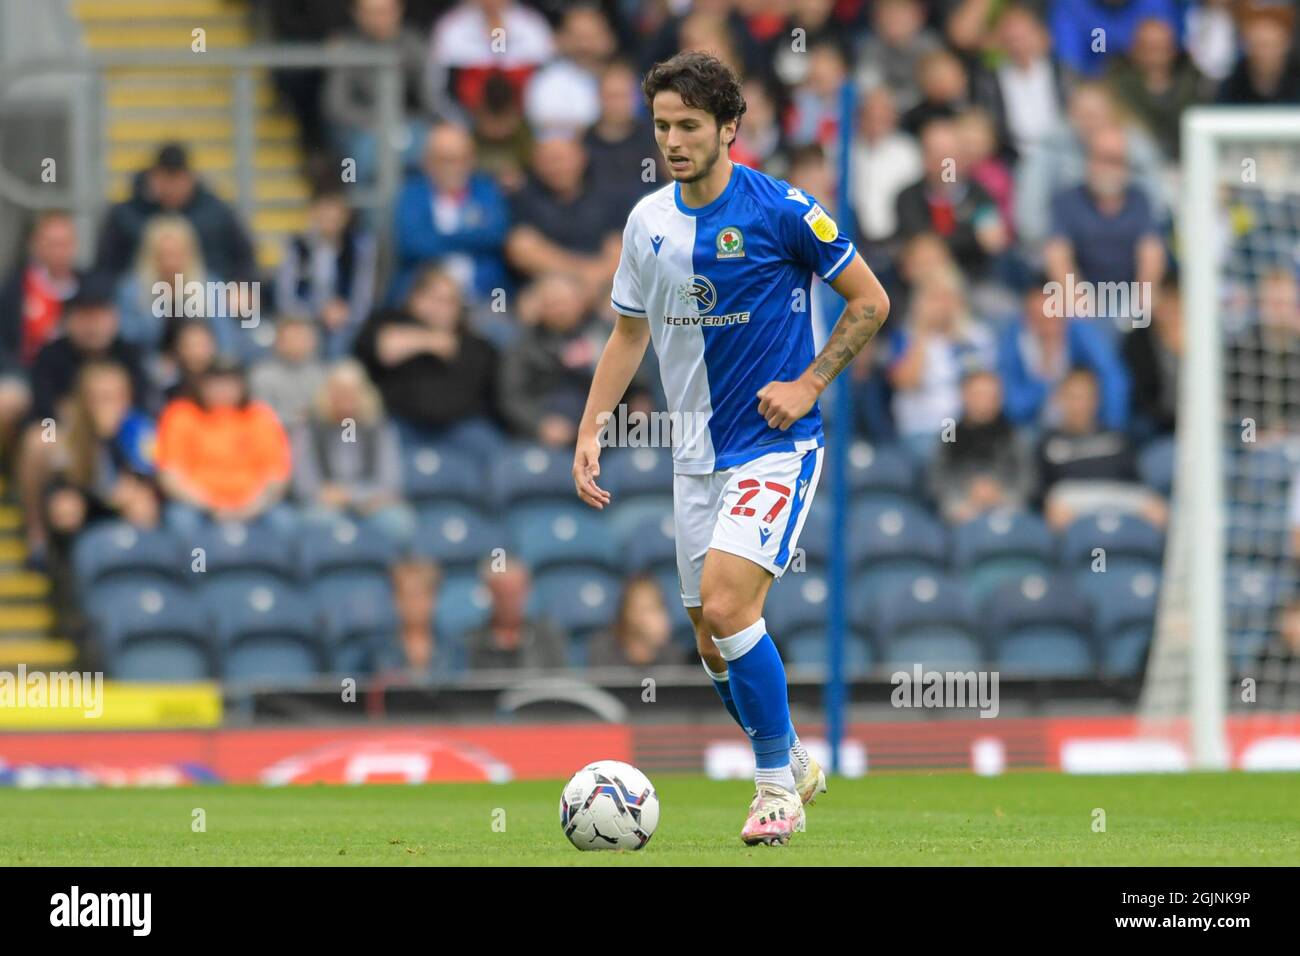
(171, 186)
(90, 331)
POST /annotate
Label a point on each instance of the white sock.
(780, 776)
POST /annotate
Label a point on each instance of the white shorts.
(755, 510)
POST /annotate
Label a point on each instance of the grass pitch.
(926, 819)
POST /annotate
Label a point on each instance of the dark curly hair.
(702, 81)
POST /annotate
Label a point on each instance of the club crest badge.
(730, 243)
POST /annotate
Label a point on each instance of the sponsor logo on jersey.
(764, 534)
(730, 243)
(700, 295)
(822, 225)
(656, 242)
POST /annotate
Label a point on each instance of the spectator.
(885, 162)
(502, 139)
(759, 142)
(104, 467)
(346, 457)
(415, 591)
(641, 635)
(1103, 231)
(452, 216)
(188, 350)
(1037, 352)
(466, 48)
(620, 141)
(563, 95)
(1076, 25)
(979, 156)
(1027, 90)
(1211, 37)
(170, 186)
(222, 456)
(546, 375)
(561, 223)
(814, 114)
(1269, 72)
(939, 345)
(290, 377)
(90, 332)
(1084, 467)
(328, 272)
(1153, 356)
(169, 248)
(890, 54)
(945, 91)
(437, 379)
(32, 301)
(1262, 362)
(986, 464)
(1157, 84)
(1062, 162)
(351, 98)
(513, 637)
(948, 202)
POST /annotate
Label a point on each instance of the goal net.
(1224, 668)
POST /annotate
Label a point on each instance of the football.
(609, 805)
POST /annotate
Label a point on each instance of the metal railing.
(84, 193)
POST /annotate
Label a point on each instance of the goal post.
(1187, 683)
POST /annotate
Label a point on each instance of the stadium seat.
(632, 473)
(234, 548)
(806, 650)
(928, 620)
(795, 601)
(625, 517)
(1036, 620)
(531, 473)
(434, 474)
(341, 547)
(1120, 535)
(893, 543)
(116, 548)
(880, 475)
(358, 617)
(1156, 464)
(463, 605)
(268, 631)
(999, 546)
(581, 601)
(547, 536)
(456, 537)
(1252, 598)
(652, 546)
(155, 631)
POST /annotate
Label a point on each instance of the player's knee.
(724, 614)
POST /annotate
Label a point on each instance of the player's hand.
(586, 468)
(784, 403)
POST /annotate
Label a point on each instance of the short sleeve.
(625, 295)
(813, 238)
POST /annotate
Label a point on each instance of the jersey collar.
(716, 204)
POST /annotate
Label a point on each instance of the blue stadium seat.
(550, 535)
(631, 473)
(1036, 620)
(436, 474)
(153, 630)
(359, 619)
(1120, 535)
(625, 517)
(999, 546)
(880, 474)
(815, 540)
(1252, 598)
(796, 601)
(463, 605)
(581, 601)
(1121, 601)
(532, 473)
(115, 548)
(807, 650)
(928, 620)
(456, 537)
(683, 629)
(342, 547)
(1156, 464)
(235, 548)
(890, 544)
(269, 631)
(652, 546)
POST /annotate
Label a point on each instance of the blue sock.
(723, 687)
(758, 689)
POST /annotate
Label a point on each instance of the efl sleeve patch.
(822, 225)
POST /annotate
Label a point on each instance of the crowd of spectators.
(996, 150)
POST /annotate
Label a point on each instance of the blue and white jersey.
(727, 291)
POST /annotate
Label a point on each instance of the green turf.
(1021, 818)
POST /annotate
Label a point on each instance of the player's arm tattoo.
(856, 327)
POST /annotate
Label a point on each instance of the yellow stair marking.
(12, 550)
(178, 37)
(131, 158)
(153, 9)
(200, 97)
(24, 584)
(10, 518)
(276, 189)
(26, 617)
(51, 652)
(197, 127)
(279, 220)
